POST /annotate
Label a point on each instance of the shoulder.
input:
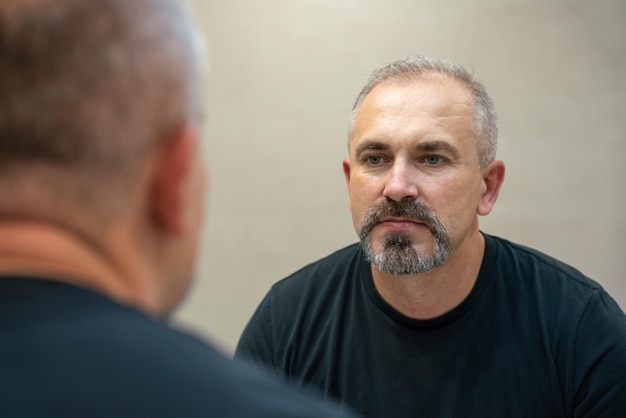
(313, 286)
(144, 367)
(213, 384)
(540, 280)
(517, 259)
(304, 302)
(581, 328)
(325, 272)
(66, 349)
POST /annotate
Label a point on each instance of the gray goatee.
(398, 257)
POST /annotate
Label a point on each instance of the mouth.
(392, 216)
(399, 219)
(397, 223)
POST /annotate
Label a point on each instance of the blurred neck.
(45, 251)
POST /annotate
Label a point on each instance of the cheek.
(356, 209)
(457, 205)
(360, 199)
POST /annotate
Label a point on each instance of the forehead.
(415, 109)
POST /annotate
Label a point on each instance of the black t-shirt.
(69, 352)
(534, 338)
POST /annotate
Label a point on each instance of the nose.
(401, 185)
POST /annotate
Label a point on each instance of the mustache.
(415, 211)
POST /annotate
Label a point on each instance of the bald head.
(88, 87)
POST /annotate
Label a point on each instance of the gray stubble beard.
(398, 256)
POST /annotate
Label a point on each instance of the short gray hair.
(422, 68)
(88, 87)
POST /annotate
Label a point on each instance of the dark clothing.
(69, 352)
(534, 338)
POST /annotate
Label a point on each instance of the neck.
(44, 251)
(432, 294)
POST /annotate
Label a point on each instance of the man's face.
(413, 174)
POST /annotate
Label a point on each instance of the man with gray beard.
(429, 316)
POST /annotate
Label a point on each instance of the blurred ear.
(173, 170)
(346, 173)
(493, 177)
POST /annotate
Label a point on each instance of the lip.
(399, 223)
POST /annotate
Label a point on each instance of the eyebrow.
(370, 145)
(438, 145)
(426, 146)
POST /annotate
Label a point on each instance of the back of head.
(88, 87)
(427, 69)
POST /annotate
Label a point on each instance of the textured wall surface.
(284, 74)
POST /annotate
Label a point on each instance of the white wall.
(284, 74)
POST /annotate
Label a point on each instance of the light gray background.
(284, 74)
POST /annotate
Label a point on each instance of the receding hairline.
(409, 80)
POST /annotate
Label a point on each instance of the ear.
(493, 177)
(172, 172)
(346, 173)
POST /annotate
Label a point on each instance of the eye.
(433, 159)
(374, 159)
